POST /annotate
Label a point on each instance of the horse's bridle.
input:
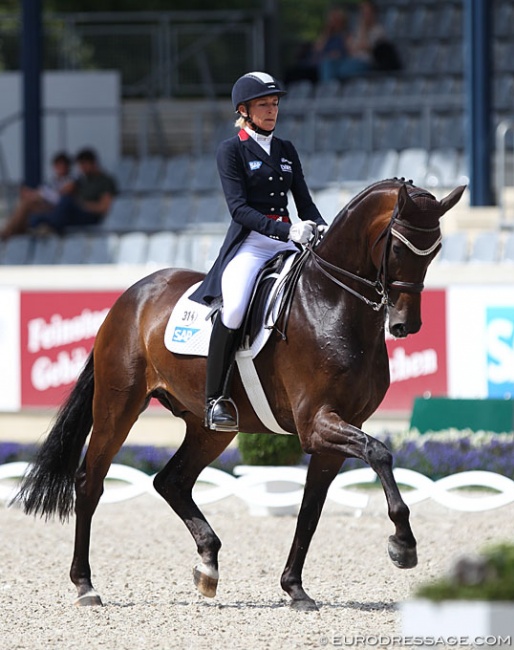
(382, 285)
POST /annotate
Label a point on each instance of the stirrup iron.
(210, 410)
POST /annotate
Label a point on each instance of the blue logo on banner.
(183, 334)
(500, 351)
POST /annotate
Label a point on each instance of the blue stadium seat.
(161, 249)
(179, 213)
(486, 247)
(197, 251)
(382, 164)
(177, 174)
(121, 216)
(454, 248)
(329, 202)
(75, 248)
(413, 164)
(46, 249)
(102, 249)
(149, 217)
(132, 248)
(299, 90)
(211, 210)
(16, 250)
(204, 176)
(442, 168)
(449, 21)
(503, 18)
(322, 170)
(421, 22)
(124, 173)
(508, 249)
(148, 175)
(353, 168)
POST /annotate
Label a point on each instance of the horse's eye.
(397, 249)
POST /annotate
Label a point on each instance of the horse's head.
(403, 251)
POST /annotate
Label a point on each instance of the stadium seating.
(411, 123)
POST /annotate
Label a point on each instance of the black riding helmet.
(251, 86)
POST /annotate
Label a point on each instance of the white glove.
(322, 229)
(302, 231)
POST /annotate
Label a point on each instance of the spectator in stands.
(331, 48)
(257, 171)
(91, 199)
(368, 48)
(316, 60)
(41, 199)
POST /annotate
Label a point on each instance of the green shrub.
(269, 449)
(489, 576)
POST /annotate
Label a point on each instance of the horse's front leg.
(322, 471)
(333, 435)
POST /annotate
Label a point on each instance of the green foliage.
(266, 449)
(494, 582)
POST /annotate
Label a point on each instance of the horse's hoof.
(304, 605)
(206, 580)
(89, 599)
(402, 556)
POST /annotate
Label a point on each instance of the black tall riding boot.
(220, 410)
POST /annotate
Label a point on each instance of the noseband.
(382, 285)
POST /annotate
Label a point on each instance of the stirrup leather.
(210, 410)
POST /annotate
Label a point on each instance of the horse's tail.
(48, 486)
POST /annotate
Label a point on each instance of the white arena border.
(253, 485)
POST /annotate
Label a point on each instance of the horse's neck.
(347, 242)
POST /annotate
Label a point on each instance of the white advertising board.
(10, 382)
(481, 341)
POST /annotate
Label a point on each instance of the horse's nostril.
(399, 330)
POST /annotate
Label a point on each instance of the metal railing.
(159, 54)
(502, 130)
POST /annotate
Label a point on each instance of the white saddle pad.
(189, 328)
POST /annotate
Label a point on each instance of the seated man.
(41, 199)
(91, 199)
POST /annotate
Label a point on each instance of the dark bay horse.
(323, 381)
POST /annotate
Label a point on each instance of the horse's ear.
(404, 201)
(453, 198)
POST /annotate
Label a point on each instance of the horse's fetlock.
(399, 512)
(288, 581)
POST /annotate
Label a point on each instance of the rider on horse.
(257, 171)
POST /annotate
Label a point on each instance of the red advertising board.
(58, 330)
(57, 333)
(418, 363)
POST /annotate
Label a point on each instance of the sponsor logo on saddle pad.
(183, 334)
(189, 327)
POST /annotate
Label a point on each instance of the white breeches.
(241, 272)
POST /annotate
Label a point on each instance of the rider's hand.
(322, 228)
(302, 231)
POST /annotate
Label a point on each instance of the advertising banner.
(481, 341)
(57, 331)
(9, 349)
(417, 364)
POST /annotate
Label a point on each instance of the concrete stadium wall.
(81, 109)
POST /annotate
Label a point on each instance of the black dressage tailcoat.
(256, 185)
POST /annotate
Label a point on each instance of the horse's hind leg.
(113, 419)
(175, 484)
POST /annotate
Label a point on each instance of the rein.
(381, 285)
